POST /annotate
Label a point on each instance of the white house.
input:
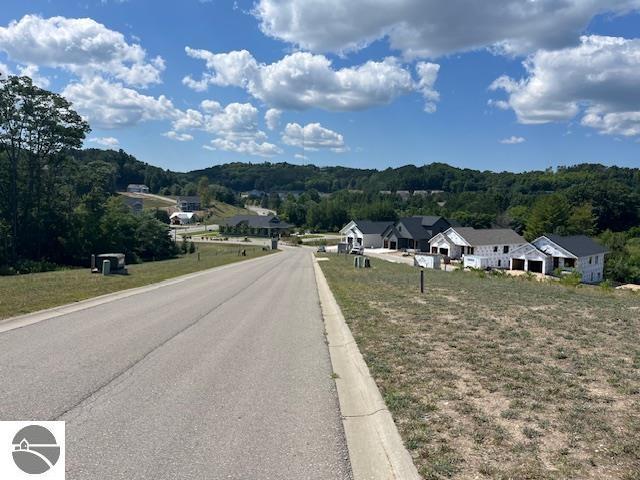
(182, 218)
(480, 248)
(136, 188)
(550, 252)
(365, 233)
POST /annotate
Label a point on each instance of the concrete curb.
(12, 323)
(375, 447)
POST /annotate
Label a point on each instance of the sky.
(520, 85)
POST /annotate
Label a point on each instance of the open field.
(28, 293)
(500, 377)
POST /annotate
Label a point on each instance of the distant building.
(364, 233)
(182, 218)
(414, 233)
(189, 204)
(135, 204)
(479, 248)
(550, 252)
(404, 194)
(255, 226)
(135, 188)
(253, 193)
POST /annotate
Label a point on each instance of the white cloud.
(313, 137)
(430, 28)
(79, 45)
(428, 74)
(33, 72)
(105, 141)
(272, 118)
(300, 156)
(599, 78)
(251, 147)
(112, 105)
(235, 128)
(180, 137)
(301, 80)
(513, 140)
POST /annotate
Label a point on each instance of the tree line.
(57, 206)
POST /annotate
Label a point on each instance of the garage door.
(517, 264)
(535, 266)
(386, 244)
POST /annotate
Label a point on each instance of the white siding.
(495, 259)
(591, 267)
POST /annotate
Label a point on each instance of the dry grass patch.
(500, 377)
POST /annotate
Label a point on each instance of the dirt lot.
(500, 377)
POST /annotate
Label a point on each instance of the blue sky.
(362, 83)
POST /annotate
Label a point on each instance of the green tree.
(548, 215)
(204, 192)
(35, 126)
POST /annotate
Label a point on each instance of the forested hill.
(271, 177)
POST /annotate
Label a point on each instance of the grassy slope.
(28, 293)
(220, 210)
(149, 203)
(500, 377)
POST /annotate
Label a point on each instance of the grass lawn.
(500, 378)
(150, 203)
(21, 294)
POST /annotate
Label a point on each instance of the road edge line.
(375, 447)
(12, 323)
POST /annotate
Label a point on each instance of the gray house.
(255, 225)
(135, 204)
(365, 233)
(189, 203)
(414, 233)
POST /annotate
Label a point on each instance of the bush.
(192, 247)
(569, 279)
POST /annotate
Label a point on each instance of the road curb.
(375, 447)
(12, 323)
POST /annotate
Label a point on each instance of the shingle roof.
(256, 221)
(189, 199)
(430, 220)
(369, 227)
(489, 236)
(579, 245)
(412, 226)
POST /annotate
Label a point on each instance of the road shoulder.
(375, 446)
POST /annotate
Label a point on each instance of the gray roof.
(369, 227)
(256, 221)
(429, 220)
(189, 199)
(489, 236)
(579, 245)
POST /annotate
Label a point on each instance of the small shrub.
(570, 279)
(192, 247)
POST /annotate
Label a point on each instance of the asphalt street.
(223, 376)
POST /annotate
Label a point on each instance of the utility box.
(471, 261)
(274, 244)
(116, 260)
(427, 261)
(343, 248)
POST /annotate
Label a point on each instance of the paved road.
(226, 376)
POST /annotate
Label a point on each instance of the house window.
(471, 250)
(505, 249)
(499, 263)
(495, 249)
(597, 260)
(590, 260)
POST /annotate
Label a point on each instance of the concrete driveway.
(226, 375)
